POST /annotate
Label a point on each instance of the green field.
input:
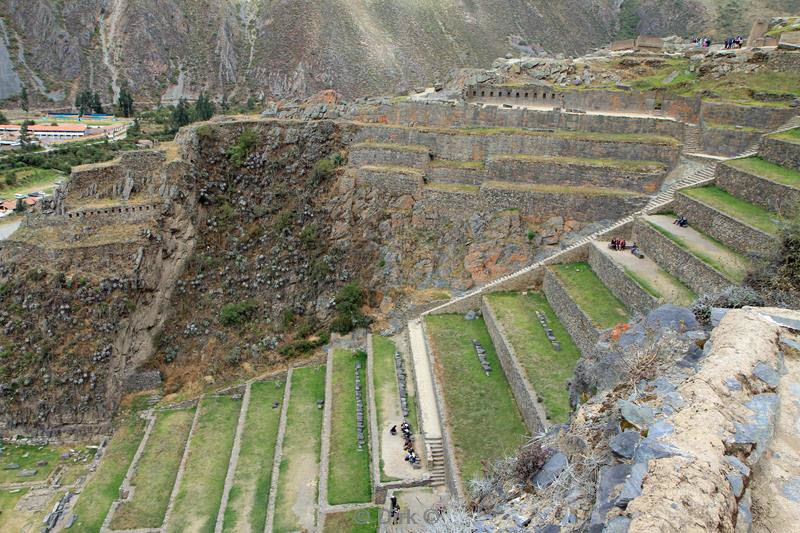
(26, 180)
(623, 164)
(771, 171)
(299, 470)
(348, 467)
(247, 502)
(200, 493)
(748, 213)
(103, 487)
(385, 377)
(156, 472)
(27, 457)
(484, 419)
(360, 521)
(792, 135)
(591, 295)
(548, 370)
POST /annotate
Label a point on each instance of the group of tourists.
(617, 244)
(701, 42)
(408, 445)
(394, 514)
(681, 221)
(733, 42)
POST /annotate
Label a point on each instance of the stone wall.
(456, 175)
(524, 394)
(784, 61)
(379, 156)
(116, 214)
(472, 147)
(396, 183)
(577, 323)
(780, 152)
(766, 117)
(728, 142)
(768, 194)
(143, 380)
(699, 276)
(739, 236)
(573, 173)
(635, 298)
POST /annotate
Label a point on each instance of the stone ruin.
(359, 408)
(482, 356)
(547, 331)
(401, 383)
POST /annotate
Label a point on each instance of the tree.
(97, 105)
(125, 101)
(251, 103)
(23, 99)
(180, 116)
(135, 129)
(203, 108)
(84, 101)
(3, 118)
(24, 138)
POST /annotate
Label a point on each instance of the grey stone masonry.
(699, 276)
(577, 323)
(524, 394)
(780, 152)
(757, 190)
(738, 235)
(635, 298)
(375, 155)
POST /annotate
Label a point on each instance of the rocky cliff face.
(174, 48)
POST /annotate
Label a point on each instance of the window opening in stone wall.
(517, 95)
(483, 93)
(491, 93)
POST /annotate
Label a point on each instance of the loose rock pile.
(549, 332)
(401, 383)
(482, 356)
(359, 408)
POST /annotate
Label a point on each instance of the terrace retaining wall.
(579, 326)
(763, 192)
(780, 152)
(388, 156)
(726, 141)
(524, 394)
(699, 276)
(740, 236)
(635, 298)
(766, 117)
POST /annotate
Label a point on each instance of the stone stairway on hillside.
(435, 446)
(691, 142)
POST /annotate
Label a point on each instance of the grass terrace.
(200, 494)
(587, 190)
(392, 169)
(10, 518)
(156, 472)
(548, 370)
(624, 164)
(26, 456)
(453, 187)
(359, 521)
(591, 295)
(765, 169)
(103, 487)
(416, 148)
(247, 502)
(792, 135)
(26, 180)
(348, 467)
(478, 406)
(732, 127)
(299, 470)
(746, 212)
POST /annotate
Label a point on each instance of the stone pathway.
(276, 463)
(697, 241)
(669, 288)
(426, 399)
(373, 416)
(326, 439)
(181, 470)
(237, 446)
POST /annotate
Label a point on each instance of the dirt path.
(430, 423)
(697, 241)
(670, 289)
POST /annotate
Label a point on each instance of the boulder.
(550, 471)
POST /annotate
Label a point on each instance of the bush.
(349, 300)
(777, 277)
(11, 179)
(299, 347)
(238, 313)
(239, 151)
(530, 459)
(732, 297)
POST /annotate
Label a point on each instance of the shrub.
(239, 151)
(237, 313)
(530, 459)
(349, 300)
(299, 347)
(11, 178)
(732, 297)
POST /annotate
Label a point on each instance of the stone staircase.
(435, 446)
(691, 141)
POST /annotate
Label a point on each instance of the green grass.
(26, 457)
(247, 503)
(458, 165)
(548, 370)
(727, 203)
(200, 493)
(393, 169)
(792, 135)
(416, 148)
(587, 190)
(28, 179)
(771, 171)
(348, 467)
(484, 419)
(732, 127)
(645, 284)
(360, 521)
(156, 471)
(103, 487)
(734, 274)
(591, 295)
(301, 446)
(626, 164)
(574, 135)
